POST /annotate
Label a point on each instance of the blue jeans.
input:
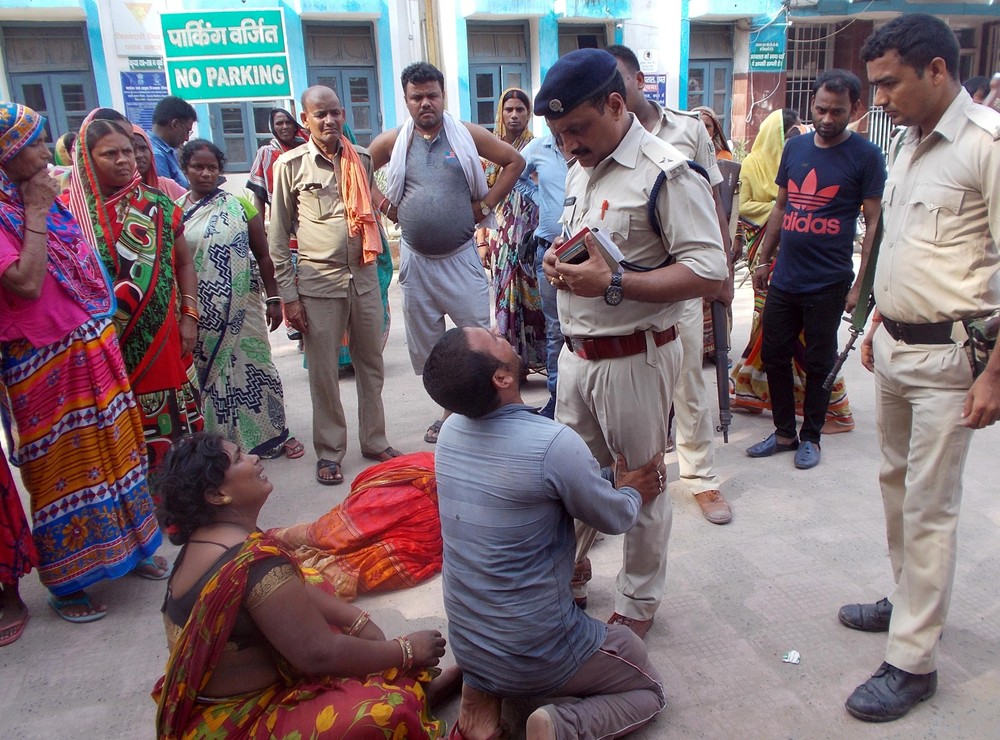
(553, 333)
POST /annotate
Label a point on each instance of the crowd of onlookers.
(138, 295)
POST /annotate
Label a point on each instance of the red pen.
(604, 209)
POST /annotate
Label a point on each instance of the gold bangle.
(359, 624)
(189, 297)
(190, 312)
(407, 648)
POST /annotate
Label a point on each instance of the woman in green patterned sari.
(241, 391)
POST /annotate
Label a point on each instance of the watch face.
(613, 295)
(484, 208)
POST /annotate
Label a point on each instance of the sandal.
(384, 456)
(431, 435)
(154, 563)
(293, 449)
(333, 480)
(58, 603)
(14, 630)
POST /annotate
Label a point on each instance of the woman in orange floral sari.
(255, 650)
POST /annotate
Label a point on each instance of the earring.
(226, 500)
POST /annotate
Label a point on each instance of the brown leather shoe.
(714, 507)
(639, 626)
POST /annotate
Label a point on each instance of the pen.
(604, 209)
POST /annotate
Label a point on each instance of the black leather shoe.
(867, 617)
(890, 693)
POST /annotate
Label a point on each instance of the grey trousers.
(616, 691)
(434, 287)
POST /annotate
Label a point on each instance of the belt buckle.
(585, 348)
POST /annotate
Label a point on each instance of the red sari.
(380, 705)
(386, 535)
(17, 550)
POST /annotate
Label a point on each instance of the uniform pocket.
(932, 207)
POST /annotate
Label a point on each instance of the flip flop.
(18, 628)
(337, 478)
(431, 435)
(58, 604)
(151, 562)
(293, 449)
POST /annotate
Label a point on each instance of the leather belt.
(543, 243)
(939, 333)
(608, 348)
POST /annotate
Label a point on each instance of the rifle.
(859, 317)
(720, 333)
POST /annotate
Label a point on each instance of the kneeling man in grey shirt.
(510, 482)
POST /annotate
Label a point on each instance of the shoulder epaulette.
(986, 118)
(665, 156)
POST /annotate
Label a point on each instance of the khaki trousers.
(619, 407)
(920, 392)
(328, 318)
(694, 410)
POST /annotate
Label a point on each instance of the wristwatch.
(614, 294)
(484, 209)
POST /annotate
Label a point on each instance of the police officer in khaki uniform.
(693, 410)
(938, 266)
(618, 369)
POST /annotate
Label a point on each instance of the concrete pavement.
(738, 596)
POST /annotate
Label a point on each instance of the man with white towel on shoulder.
(436, 191)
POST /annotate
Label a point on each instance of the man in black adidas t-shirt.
(823, 181)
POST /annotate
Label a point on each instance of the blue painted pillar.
(682, 73)
(548, 43)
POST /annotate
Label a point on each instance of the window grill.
(810, 49)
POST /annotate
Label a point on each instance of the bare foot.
(445, 686)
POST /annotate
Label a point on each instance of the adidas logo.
(806, 198)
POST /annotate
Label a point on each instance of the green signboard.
(226, 55)
(767, 56)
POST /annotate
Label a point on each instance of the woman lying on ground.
(255, 650)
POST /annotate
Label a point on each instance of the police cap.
(573, 79)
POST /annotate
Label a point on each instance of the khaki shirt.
(690, 229)
(307, 201)
(941, 208)
(686, 132)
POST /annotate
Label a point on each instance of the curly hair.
(195, 465)
(196, 145)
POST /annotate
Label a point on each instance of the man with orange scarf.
(323, 187)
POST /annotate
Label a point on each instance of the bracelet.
(480, 245)
(407, 648)
(359, 624)
(191, 312)
(381, 206)
(272, 299)
(189, 297)
(762, 264)
(36, 231)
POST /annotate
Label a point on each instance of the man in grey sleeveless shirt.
(438, 211)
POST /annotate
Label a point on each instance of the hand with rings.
(648, 480)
